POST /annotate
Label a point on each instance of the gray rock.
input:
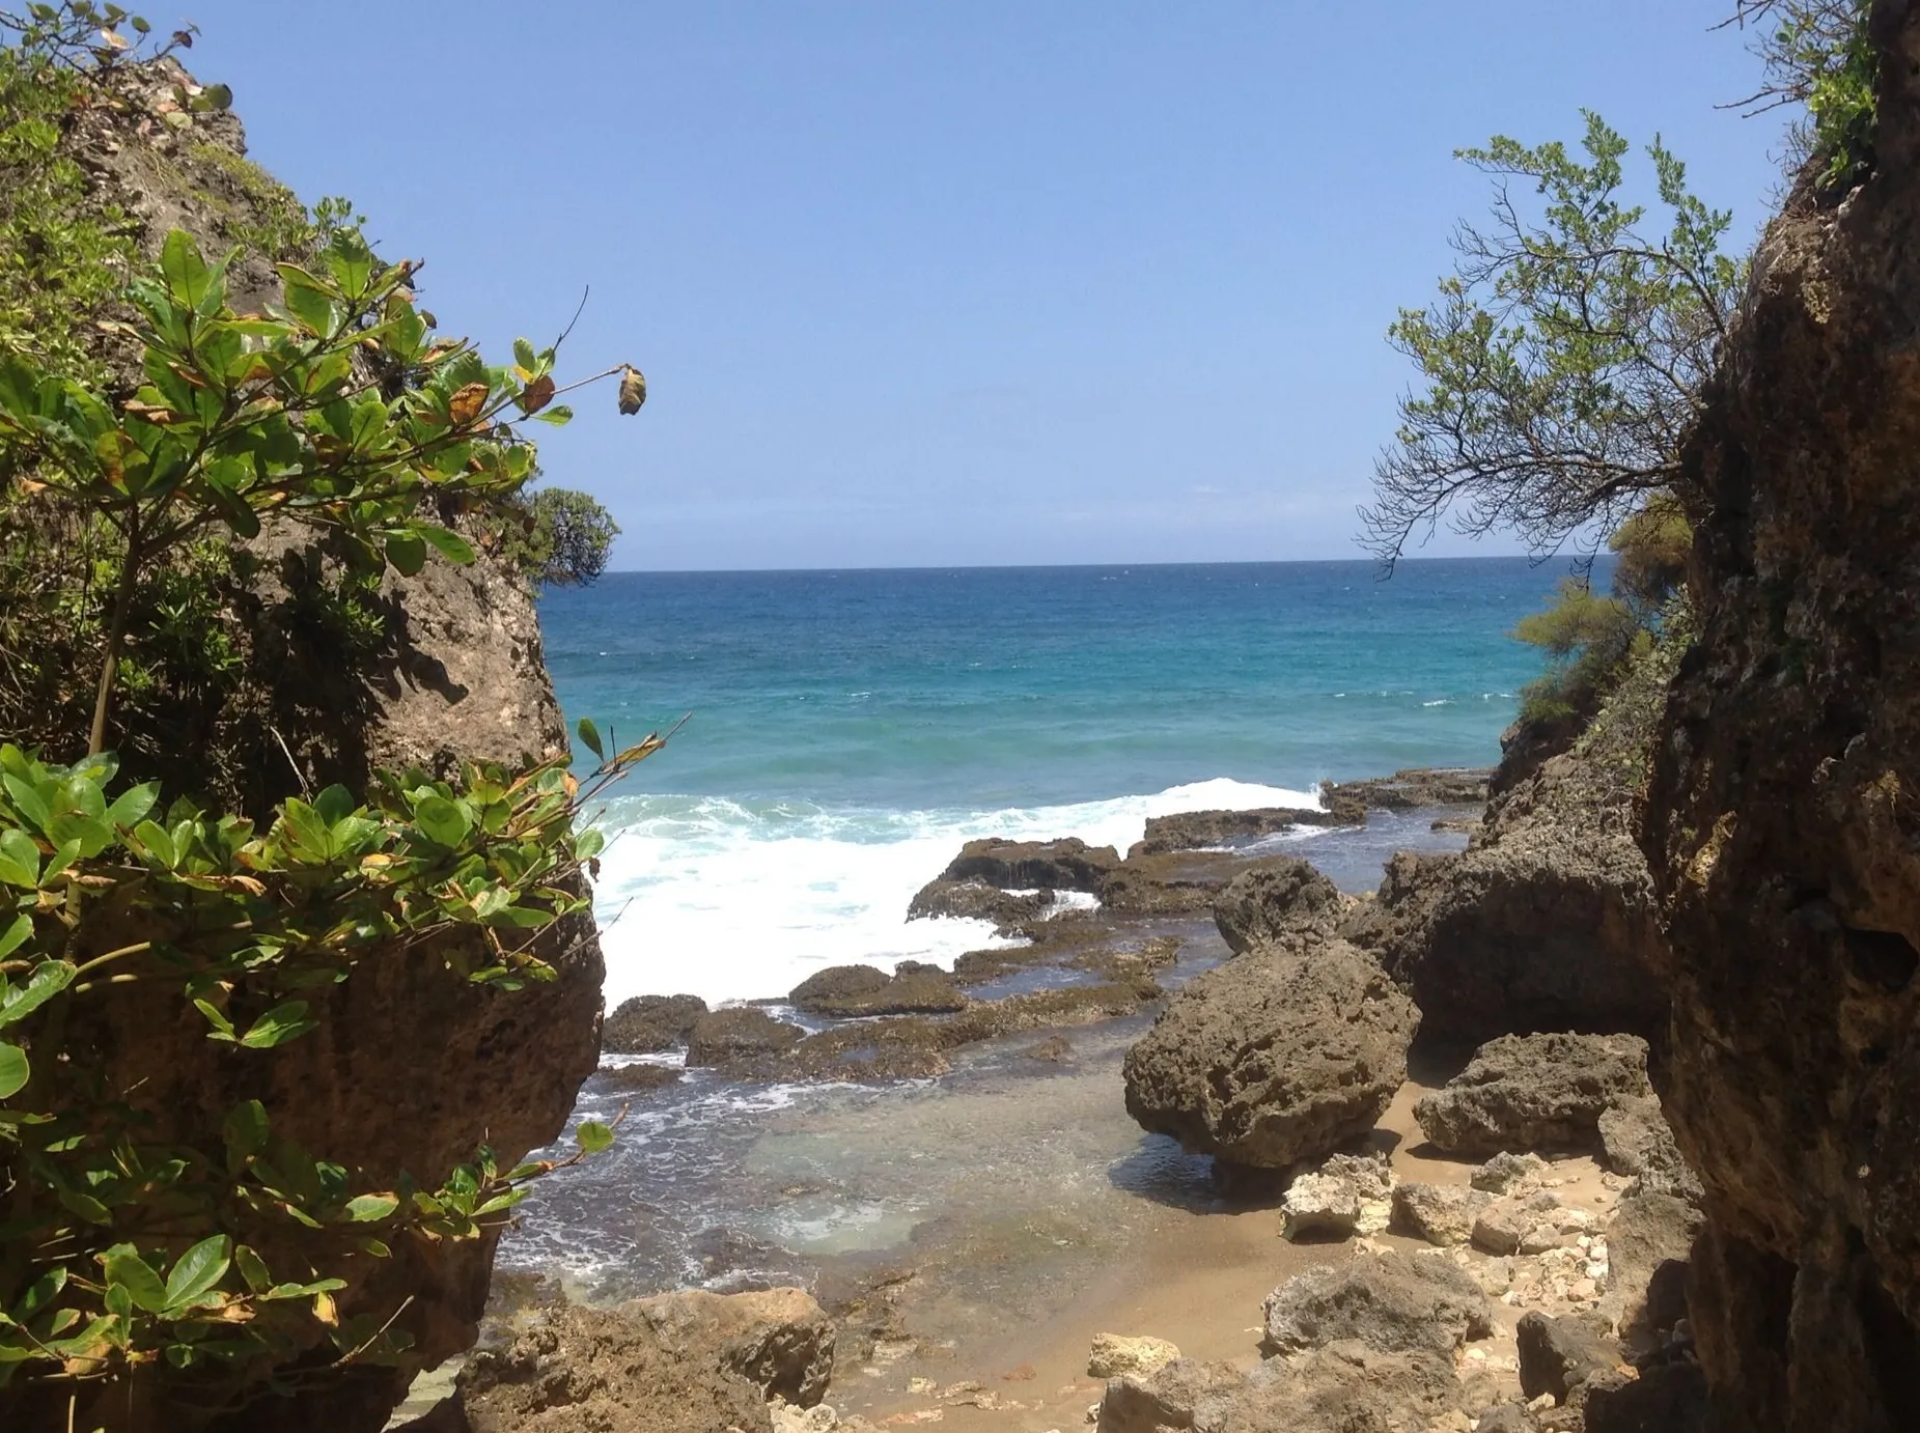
(1505, 1418)
(649, 1023)
(1391, 1302)
(1669, 1399)
(1347, 1194)
(1068, 865)
(1648, 1229)
(850, 991)
(1509, 1173)
(1518, 1224)
(1184, 1394)
(1635, 1139)
(1556, 1355)
(1344, 1387)
(1534, 1092)
(1280, 902)
(977, 900)
(1274, 1058)
(1438, 1213)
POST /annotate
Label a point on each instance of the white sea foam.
(726, 901)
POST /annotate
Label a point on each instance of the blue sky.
(922, 283)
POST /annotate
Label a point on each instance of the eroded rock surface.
(1274, 1058)
(1392, 1302)
(1283, 901)
(846, 991)
(1525, 1093)
(649, 1023)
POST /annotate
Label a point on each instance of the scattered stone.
(738, 1035)
(1273, 1059)
(1533, 1092)
(1392, 1302)
(1114, 1356)
(1438, 1213)
(1284, 901)
(854, 991)
(1556, 1355)
(1348, 1194)
(1183, 1394)
(1345, 1387)
(1527, 1224)
(647, 1024)
(788, 1419)
(1509, 1173)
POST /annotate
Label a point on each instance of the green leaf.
(253, 1269)
(185, 272)
(28, 801)
(197, 1271)
(244, 1130)
(19, 859)
(279, 1025)
(559, 415)
(593, 1136)
(407, 552)
(524, 355)
(444, 821)
(448, 544)
(47, 981)
(14, 1070)
(15, 935)
(590, 737)
(86, 1206)
(223, 1027)
(125, 1267)
(132, 805)
(367, 1208)
(308, 301)
(41, 1293)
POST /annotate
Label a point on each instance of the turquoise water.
(850, 729)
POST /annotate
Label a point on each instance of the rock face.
(1546, 922)
(1781, 822)
(1274, 1058)
(1284, 901)
(690, 1362)
(1534, 1092)
(1392, 1302)
(846, 991)
(648, 1023)
(1557, 1355)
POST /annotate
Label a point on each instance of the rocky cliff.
(413, 1066)
(1783, 824)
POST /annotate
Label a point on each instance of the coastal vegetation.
(154, 441)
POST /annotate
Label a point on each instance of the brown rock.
(1534, 1092)
(1556, 1355)
(739, 1036)
(1280, 901)
(1392, 1302)
(1068, 865)
(649, 1023)
(846, 991)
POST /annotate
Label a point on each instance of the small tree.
(564, 538)
(1563, 360)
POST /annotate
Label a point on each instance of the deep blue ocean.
(851, 729)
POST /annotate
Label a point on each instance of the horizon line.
(1082, 566)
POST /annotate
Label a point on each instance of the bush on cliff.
(148, 1258)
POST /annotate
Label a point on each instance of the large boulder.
(1534, 1092)
(739, 1036)
(648, 1023)
(1275, 1057)
(1441, 1214)
(848, 991)
(1392, 1302)
(1284, 901)
(1343, 1387)
(1635, 1139)
(977, 900)
(1557, 1355)
(1066, 865)
(689, 1362)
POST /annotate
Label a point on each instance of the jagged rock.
(1505, 1418)
(1519, 1224)
(1648, 1229)
(690, 1362)
(1558, 1354)
(1531, 1092)
(1411, 789)
(1509, 1173)
(820, 1418)
(738, 1036)
(1546, 922)
(1392, 1302)
(640, 1079)
(1438, 1213)
(1669, 1399)
(849, 991)
(1068, 865)
(1194, 830)
(1114, 1355)
(648, 1023)
(1344, 1387)
(1347, 1194)
(977, 900)
(1635, 1139)
(1274, 1058)
(1283, 901)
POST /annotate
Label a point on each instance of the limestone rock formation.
(1392, 1302)
(1284, 901)
(1114, 1355)
(649, 1023)
(738, 1038)
(1557, 1355)
(1193, 830)
(1347, 1194)
(1440, 1214)
(977, 900)
(1066, 865)
(1781, 822)
(847, 991)
(1534, 1092)
(1274, 1058)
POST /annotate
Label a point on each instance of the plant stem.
(116, 633)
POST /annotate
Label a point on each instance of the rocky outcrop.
(1408, 790)
(1195, 830)
(1116, 1356)
(1274, 1058)
(851, 991)
(1392, 1302)
(1558, 1355)
(1781, 820)
(1066, 865)
(1534, 1092)
(646, 1024)
(1284, 901)
(739, 1039)
(977, 900)
(1441, 1214)
(690, 1362)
